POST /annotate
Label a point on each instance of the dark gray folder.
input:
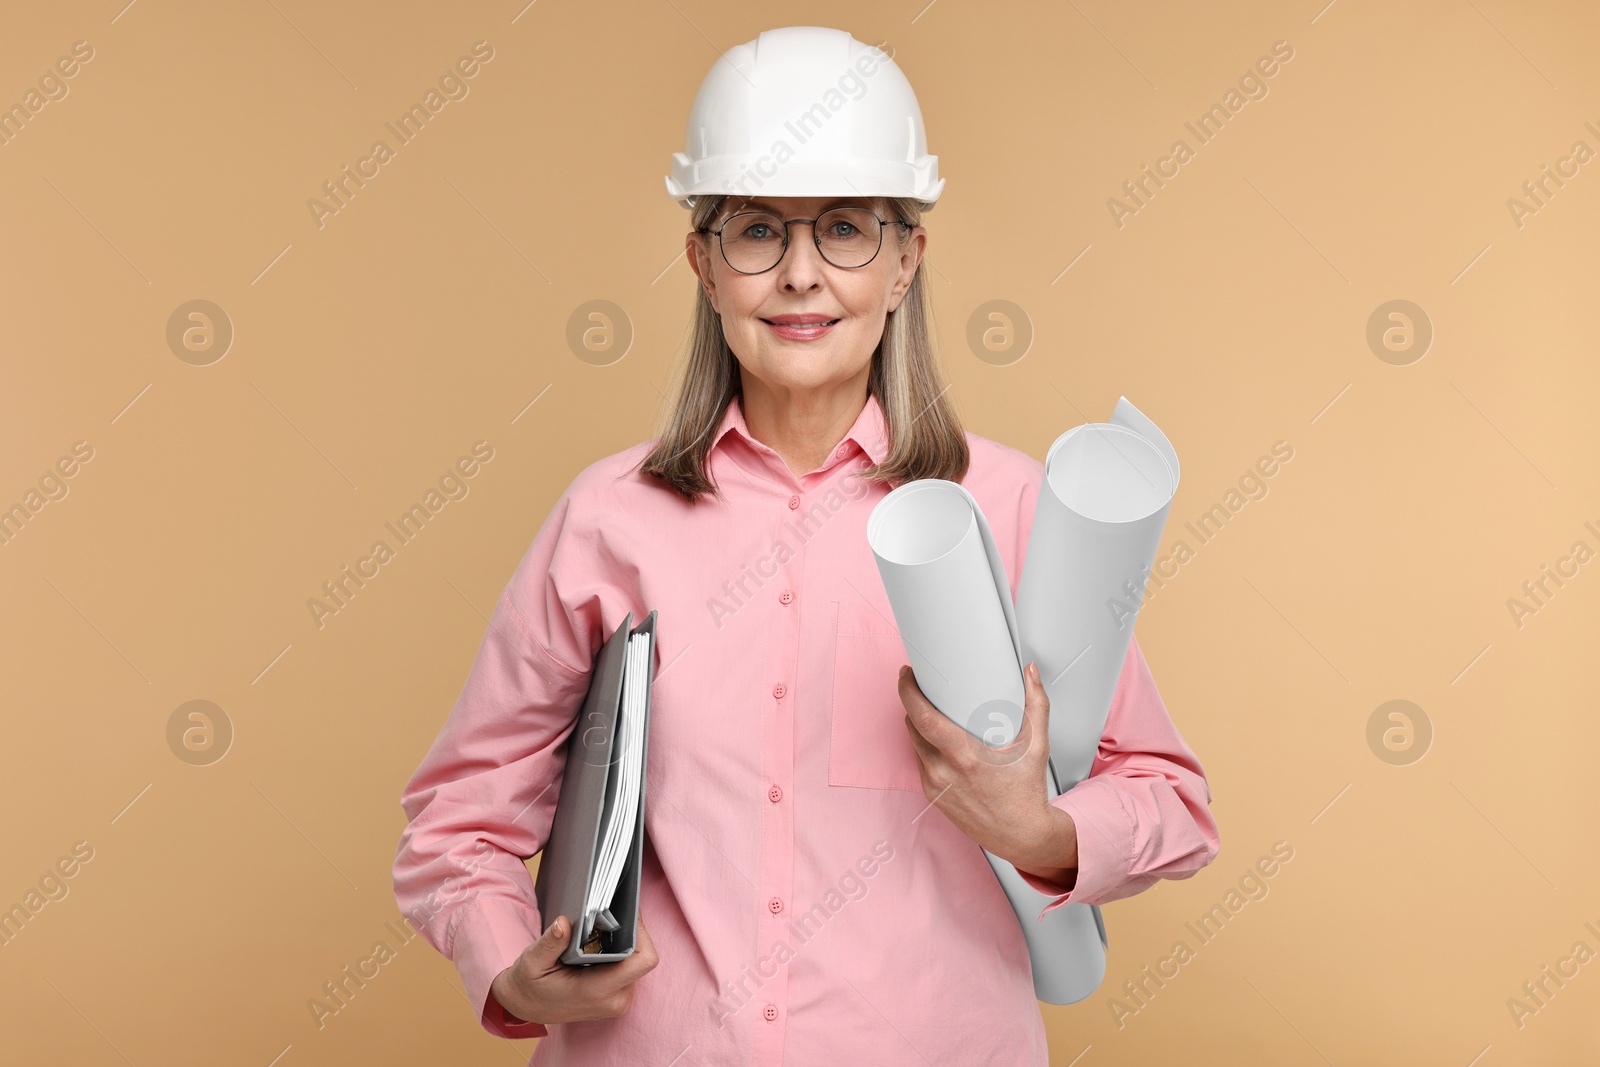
(589, 790)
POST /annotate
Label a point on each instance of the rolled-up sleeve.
(484, 796)
(1144, 812)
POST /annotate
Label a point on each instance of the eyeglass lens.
(846, 236)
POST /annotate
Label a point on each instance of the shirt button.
(774, 794)
(794, 502)
(785, 596)
(778, 690)
(774, 905)
(770, 1012)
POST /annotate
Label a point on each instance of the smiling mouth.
(802, 325)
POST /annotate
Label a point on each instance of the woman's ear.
(910, 258)
(699, 253)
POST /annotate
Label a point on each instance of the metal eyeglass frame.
(815, 239)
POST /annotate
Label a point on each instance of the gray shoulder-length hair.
(925, 438)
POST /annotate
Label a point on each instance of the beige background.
(370, 353)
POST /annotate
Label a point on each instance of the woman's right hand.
(539, 988)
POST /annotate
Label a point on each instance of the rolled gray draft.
(1102, 507)
(952, 604)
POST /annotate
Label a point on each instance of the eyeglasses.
(753, 242)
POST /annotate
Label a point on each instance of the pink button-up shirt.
(807, 904)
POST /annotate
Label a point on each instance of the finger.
(1036, 704)
(646, 944)
(544, 955)
(635, 965)
(926, 751)
(925, 716)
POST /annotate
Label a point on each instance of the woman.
(814, 886)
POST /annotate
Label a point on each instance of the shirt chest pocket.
(868, 744)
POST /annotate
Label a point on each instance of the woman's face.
(754, 307)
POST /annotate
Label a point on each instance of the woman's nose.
(802, 264)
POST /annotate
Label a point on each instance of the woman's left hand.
(995, 795)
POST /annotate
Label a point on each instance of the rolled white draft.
(1102, 507)
(952, 604)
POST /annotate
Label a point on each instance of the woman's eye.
(843, 229)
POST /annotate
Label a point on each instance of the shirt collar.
(869, 431)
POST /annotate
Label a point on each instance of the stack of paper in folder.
(590, 867)
(1104, 502)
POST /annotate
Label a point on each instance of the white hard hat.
(805, 111)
